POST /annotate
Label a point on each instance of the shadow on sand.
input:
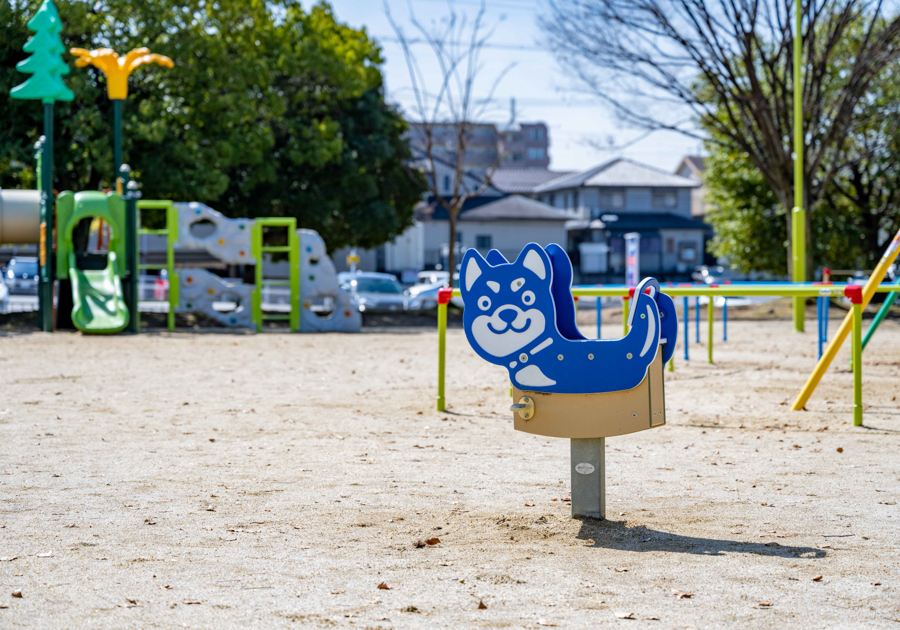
(617, 535)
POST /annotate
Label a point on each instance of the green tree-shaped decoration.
(45, 63)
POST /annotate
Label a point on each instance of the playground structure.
(858, 296)
(315, 303)
(521, 316)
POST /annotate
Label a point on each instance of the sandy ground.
(262, 481)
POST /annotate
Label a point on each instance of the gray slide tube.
(20, 217)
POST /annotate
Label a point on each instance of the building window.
(670, 246)
(575, 200)
(687, 252)
(551, 200)
(483, 241)
(665, 199)
(612, 199)
(459, 237)
(535, 153)
(446, 183)
(536, 134)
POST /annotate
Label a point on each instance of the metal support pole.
(588, 477)
(599, 316)
(626, 306)
(798, 214)
(879, 317)
(686, 315)
(710, 311)
(697, 319)
(724, 318)
(442, 350)
(117, 134)
(856, 351)
(46, 258)
(130, 288)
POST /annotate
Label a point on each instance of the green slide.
(97, 298)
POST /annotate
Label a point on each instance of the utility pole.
(798, 214)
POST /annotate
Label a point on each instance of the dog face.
(508, 306)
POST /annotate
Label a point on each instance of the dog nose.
(508, 315)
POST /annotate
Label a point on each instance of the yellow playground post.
(828, 356)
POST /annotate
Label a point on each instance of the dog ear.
(473, 265)
(535, 259)
(495, 258)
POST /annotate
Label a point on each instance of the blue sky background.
(540, 86)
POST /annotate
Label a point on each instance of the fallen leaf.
(624, 615)
(529, 504)
(383, 586)
(432, 541)
(8, 558)
(876, 583)
(763, 604)
(681, 594)
(481, 605)
(210, 508)
(651, 618)
(16, 593)
(840, 449)
(190, 601)
(409, 609)
(336, 592)
(545, 622)
(2, 606)
(887, 503)
(150, 521)
(166, 586)
(818, 578)
(621, 569)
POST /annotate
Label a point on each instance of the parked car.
(22, 275)
(4, 297)
(424, 295)
(711, 274)
(374, 291)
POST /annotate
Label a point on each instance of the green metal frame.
(292, 249)
(171, 234)
(879, 317)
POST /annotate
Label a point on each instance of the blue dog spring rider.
(521, 316)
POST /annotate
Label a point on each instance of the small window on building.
(459, 237)
(483, 241)
(575, 200)
(535, 153)
(446, 183)
(551, 200)
(665, 199)
(687, 252)
(536, 134)
(670, 245)
(612, 199)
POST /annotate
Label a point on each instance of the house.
(691, 166)
(620, 196)
(506, 223)
(523, 181)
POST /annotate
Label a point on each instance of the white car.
(4, 298)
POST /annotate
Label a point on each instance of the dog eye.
(484, 302)
(528, 298)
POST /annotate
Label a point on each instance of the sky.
(541, 87)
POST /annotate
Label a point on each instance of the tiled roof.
(620, 172)
(523, 180)
(507, 208)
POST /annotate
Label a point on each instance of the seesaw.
(521, 315)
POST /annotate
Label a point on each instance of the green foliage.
(270, 110)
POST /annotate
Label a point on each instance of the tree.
(258, 106)
(448, 106)
(720, 70)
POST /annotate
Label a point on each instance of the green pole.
(45, 282)
(856, 350)
(626, 306)
(879, 317)
(710, 311)
(798, 215)
(117, 134)
(442, 352)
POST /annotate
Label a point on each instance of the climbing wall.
(200, 289)
(324, 306)
(202, 228)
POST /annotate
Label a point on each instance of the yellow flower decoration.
(117, 68)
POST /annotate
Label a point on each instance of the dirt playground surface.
(216, 480)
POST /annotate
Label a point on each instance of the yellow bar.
(625, 309)
(710, 312)
(828, 356)
(732, 290)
